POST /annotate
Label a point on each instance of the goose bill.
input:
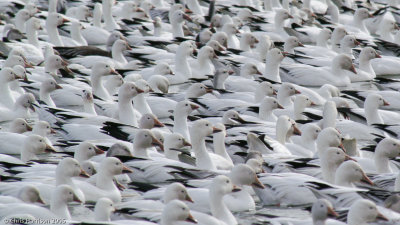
(191, 219)
(257, 183)
(125, 169)
(84, 174)
(332, 212)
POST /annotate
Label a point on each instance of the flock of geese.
(200, 112)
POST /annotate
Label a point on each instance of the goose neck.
(372, 113)
(27, 153)
(219, 145)
(203, 159)
(281, 134)
(127, 113)
(88, 107)
(298, 109)
(265, 113)
(104, 180)
(272, 70)
(107, 15)
(319, 222)
(177, 29)
(59, 208)
(118, 55)
(217, 205)
(365, 65)
(322, 41)
(32, 37)
(45, 97)
(328, 169)
(180, 124)
(54, 36)
(52, 6)
(382, 162)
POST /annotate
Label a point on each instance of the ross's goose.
(20, 109)
(350, 172)
(49, 85)
(7, 75)
(273, 60)
(19, 126)
(362, 212)
(176, 211)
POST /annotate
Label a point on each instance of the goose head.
(127, 91)
(220, 76)
(256, 165)
(25, 101)
(19, 126)
(248, 41)
(111, 166)
(22, 16)
(362, 212)
(388, 147)
(54, 20)
(329, 137)
(163, 68)
(275, 56)
(368, 53)
(145, 139)
(114, 36)
(243, 174)
(186, 49)
(393, 202)
(87, 96)
(248, 70)
(148, 121)
(119, 148)
(33, 145)
(221, 37)
(179, 17)
(7, 75)
(176, 191)
(159, 83)
(103, 209)
(49, 85)
(374, 101)
(197, 90)
(216, 21)
(388, 26)
(264, 89)
(232, 117)
(32, 8)
(230, 29)
(350, 172)
(20, 72)
(61, 196)
(349, 41)
(329, 91)
(201, 129)
(285, 128)
(333, 157)
(215, 45)
(68, 168)
(321, 209)
(338, 34)
(184, 108)
(310, 132)
(204, 36)
(300, 103)
(343, 62)
(284, 92)
(290, 43)
(82, 12)
(245, 14)
(103, 69)
(206, 53)
(222, 185)
(120, 46)
(264, 44)
(42, 128)
(174, 141)
(14, 60)
(89, 167)
(53, 63)
(267, 105)
(176, 211)
(282, 15)
(30, 194)
(362, 14)
(86, 150)
(143, 85)
(33, 24)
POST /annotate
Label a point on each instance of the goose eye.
(227, 181)
(90, 148)
(70, 193)
(182, 191)
(110, 205)
(186, 104)
(145, 135)
(322, 206)
(183, 209)
(206, 124)
(40, 140)
(116, 163)
(394, 144)
(48, 127)
(338, 153)
(371, 208)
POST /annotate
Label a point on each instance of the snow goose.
(174, 141)
(337, 35)
(363, 211)
(371, 106)
(177, 20)
(299, 105)
(76, 34)
(99, 70)
(323, 37)
(176, 211)
(182, 68)
(268, 104)
(85, 151)
(309, 134)
(66, 169)
(329, 137)
(279, 33)
(139, 101)
(112, 84)
(15, 85)
(61, 196)
(52, 22)
(27, 194)
(320, 211)
(231, 30)
(219, 143)
(273, 60)
(205, 160)
(220, 186)
(144, 139)
(204, 65)
(386, 27)
(109, 21)
(337, 74)
(181, 112)
(46, 88)
(285, 91)
(366, 56)
(7, 75)
(126, 112)
(330, 161)
(350, 172)
(290, 43)
(105, 186)
(247, 42)
(20, 109)
(19, 126)
(20, 19)
(80, 13)
(386, 149)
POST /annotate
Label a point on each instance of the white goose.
(350, 172)
(362, 212)
(49, 85)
